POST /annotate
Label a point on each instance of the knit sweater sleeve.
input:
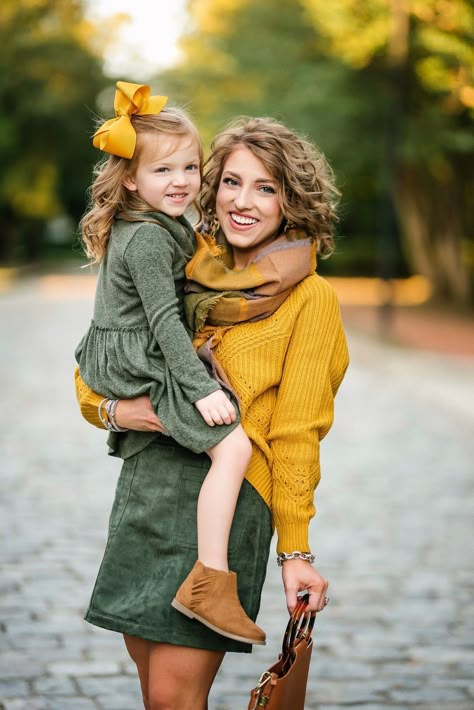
(150, 262)
(88, 401)
(315, 364)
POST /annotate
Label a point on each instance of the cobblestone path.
(393, 532)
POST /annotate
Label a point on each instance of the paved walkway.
(393, 532)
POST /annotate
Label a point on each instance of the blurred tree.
(50, 75)
(425, 50)
(266, 58)
(385, 87)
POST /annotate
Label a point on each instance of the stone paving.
(393, 531)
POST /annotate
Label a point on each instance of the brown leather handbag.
(283, 685)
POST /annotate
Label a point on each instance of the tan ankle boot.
(210, 596)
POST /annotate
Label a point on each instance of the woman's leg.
(139, 651)
(181, 677)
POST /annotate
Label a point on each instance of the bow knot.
(117, 135)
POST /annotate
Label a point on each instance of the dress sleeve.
(150, 257)
(88, 400)
(314, 366)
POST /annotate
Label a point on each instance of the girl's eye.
(161, 170)
(192, 167)
(230, 181)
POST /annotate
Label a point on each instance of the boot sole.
(191, 615)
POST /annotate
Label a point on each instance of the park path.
(393, 531)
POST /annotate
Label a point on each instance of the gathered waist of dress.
(119, 328)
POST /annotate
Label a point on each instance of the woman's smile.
(241, 220)
(247, 205)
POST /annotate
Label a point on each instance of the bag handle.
(300, 625)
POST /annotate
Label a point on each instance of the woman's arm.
(315, 362)
(134, 414)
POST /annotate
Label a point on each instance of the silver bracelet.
(110, 407)
(109, 421)
(296, 555)
(99, 411)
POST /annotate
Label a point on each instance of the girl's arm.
(150, 258)
(315, 362)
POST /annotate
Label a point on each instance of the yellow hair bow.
(117, 135)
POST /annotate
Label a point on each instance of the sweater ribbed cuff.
(292, 538)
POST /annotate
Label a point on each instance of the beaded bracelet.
(296, 555)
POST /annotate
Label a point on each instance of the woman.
(276, 335)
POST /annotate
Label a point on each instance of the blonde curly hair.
(108, 196)
(305, 181)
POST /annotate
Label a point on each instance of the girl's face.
(247, 206)
(167, 176)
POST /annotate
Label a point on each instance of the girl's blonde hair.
(108, 196)
(305, 180)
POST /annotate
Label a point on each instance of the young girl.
(137, 342)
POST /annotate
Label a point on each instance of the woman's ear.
(129, 183)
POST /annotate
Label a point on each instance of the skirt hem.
(131, 628)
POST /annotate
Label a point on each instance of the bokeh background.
(385, 88)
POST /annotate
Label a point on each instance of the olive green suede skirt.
(152, 546)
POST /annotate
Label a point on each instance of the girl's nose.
(180, 178)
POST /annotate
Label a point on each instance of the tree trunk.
(433, 221)
(8, 237)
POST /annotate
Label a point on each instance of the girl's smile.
(167, 176)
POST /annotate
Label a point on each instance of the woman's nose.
(243, 200)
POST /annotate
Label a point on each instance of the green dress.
(138, 343)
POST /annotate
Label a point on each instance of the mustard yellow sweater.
(286, 370)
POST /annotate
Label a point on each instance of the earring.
(214, 225)
(288, 226)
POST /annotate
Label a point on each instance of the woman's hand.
(298, 575)
(137, 414)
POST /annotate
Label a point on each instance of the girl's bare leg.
(218, 497)
(210, 593)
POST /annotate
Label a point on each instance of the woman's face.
(247, 206)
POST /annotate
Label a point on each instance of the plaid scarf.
(218, 296)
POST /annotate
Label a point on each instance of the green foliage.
(49, 80)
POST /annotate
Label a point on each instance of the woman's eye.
(230, 181)
(267, 189)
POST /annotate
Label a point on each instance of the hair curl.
(108, 196)
(305, 181)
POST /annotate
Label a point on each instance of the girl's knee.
(242, 444)
(236, 446)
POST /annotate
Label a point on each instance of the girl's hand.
(216, 408)
(137, 414)
(298, 575)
